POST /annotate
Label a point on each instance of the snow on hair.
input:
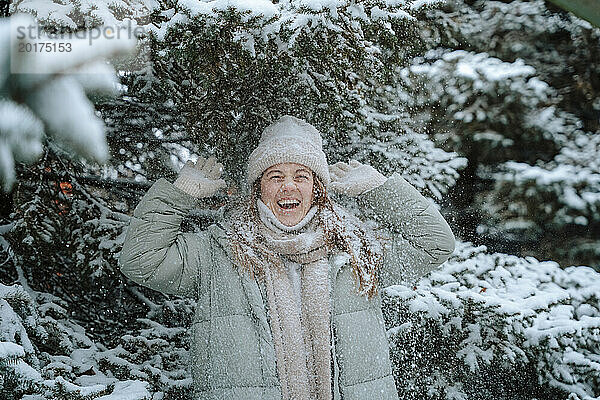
(342, 232)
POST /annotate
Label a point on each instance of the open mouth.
(288, 204)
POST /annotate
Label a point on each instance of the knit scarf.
(299, 306)
(300, 322)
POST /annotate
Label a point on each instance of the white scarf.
(299, 317)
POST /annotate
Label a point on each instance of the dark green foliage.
(330, 71)
(491, 326)
(213, 83)
(538, 109)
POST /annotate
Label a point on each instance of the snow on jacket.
(232, 354)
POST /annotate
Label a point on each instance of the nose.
(288, 184)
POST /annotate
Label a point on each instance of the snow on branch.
(43, 93)
(493, 314)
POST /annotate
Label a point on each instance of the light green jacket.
(232, 355)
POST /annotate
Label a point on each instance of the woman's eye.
(302, 177)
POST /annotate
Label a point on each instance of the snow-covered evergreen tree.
(230, 70)
(42, 95)
(510, 85)
(447, 93)
(494, 326)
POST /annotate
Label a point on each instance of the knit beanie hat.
(289, 139)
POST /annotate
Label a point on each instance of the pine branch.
(103, 207)
(140, 296)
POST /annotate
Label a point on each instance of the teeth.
(288, 203)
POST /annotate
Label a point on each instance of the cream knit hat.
(289, 139)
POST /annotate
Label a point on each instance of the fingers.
(335, 172)
(199, 163)
(342, 165)
(216, 171)
(345, 167)
(209, 167)
(338, 169)
(354, 164)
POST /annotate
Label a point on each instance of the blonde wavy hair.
(251, 253)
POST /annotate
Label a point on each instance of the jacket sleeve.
(420, 238)
(156, 253)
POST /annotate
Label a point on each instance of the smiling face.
(287, 189)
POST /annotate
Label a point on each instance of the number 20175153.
(49, 47)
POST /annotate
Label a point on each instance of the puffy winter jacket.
(232, 353)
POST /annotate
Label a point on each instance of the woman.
(286, 288)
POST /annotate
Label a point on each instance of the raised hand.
(201, 179)
(354, 178)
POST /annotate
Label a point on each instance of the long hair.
(341, 231)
